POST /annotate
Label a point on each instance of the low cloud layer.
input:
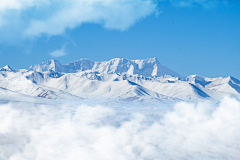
(85, 132)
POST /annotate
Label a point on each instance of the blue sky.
(190, 36)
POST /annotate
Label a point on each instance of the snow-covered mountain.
(117, 79)
(147, 67)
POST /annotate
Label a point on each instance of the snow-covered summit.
(6, 68)
(150, 67)
(49, 65)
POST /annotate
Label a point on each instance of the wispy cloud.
(59, 52)
(70, 132)
(189, 3)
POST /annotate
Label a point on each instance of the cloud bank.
(95, 132)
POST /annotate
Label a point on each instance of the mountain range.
(118, 79)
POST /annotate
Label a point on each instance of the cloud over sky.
(24, 19)
(95, 132)
(59, 52)
(33, 18)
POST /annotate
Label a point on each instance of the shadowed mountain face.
(234, 83)
(117, 79)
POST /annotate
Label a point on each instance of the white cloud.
(27, 19)
(33, 18)
(112, 14)
(85, 132)
(59, 52)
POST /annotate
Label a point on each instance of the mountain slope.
(20, 83)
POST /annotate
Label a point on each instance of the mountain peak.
(6, 68)
(51, 61)
(154, 59)
(49, 65)
(82, 59)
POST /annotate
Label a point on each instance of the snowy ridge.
(148, 67)
(118, 79)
